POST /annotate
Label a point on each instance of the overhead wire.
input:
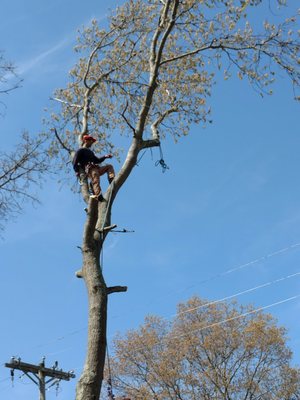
(252, 289)
(239, 316)
(238, 294)
(245, 265)
(255, 311)
(268, 256)
(235, 269)
(60, 338)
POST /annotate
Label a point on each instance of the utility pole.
(39, 374)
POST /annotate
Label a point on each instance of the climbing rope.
(110, 394)
(102, 251)
(108, 204)
(103, 225)
(161, 162)
(138, 161)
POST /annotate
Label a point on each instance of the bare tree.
(209, 351)
(9, 79)
(148, 74)
(21, 168)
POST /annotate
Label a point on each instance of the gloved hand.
(108, 155)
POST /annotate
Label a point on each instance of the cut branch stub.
(79, 273)
(116, 289)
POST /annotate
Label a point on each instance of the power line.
(61, 337)
(214, 301)
(235, 269)
(255, 311)
(229, 271)
(238, 294)
(248, 264)
(220, 300)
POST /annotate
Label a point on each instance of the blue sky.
(223, 219)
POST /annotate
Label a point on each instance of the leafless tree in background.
(23, 167)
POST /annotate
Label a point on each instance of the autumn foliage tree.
(147, 73)
(217, 351)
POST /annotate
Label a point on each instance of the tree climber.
(85, 159)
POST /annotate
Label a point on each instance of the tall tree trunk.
(96, 228)
(89, 384)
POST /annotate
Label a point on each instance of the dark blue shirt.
(83, 156)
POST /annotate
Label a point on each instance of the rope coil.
(161, 162)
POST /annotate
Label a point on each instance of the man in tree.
(148, 74)
(86, 160)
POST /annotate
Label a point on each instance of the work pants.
(94, 173)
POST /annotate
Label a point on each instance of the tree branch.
(126, 120)
(65, 102)
(91, 89)
(61, 142)
(116, 289)
(159, 120)
(107, 228)
(190, 53)
(98, 47)
(154, 61)
(146, 144)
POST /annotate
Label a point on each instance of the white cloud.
(25, 66)
(28, 65)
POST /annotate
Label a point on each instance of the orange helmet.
(86, 138)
